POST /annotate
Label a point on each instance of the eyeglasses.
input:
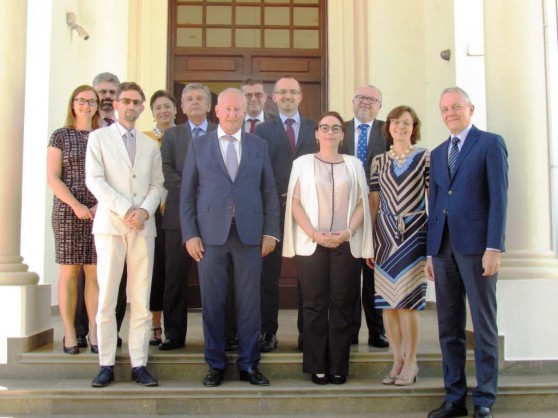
(126, 102)
(326, 128)
(404, 123)
(371, 100)
(83, 102)
(285, 92)
(105, 92)
(455, 108)
(250, 96)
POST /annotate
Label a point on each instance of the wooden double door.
(220, 43)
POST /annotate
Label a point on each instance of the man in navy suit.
(229, 213)
(367, 102)
(289, 136)
(466, 229)
(196, 103)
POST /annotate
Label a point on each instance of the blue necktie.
(196, 132)
(362, 145)
(231, 159)
(454, 153)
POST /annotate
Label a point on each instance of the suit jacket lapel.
(372, 138)
(350, 137)
(216, 151)
(284, 141)
(118, 142)
(305, 131)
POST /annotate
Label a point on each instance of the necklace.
(400, 158)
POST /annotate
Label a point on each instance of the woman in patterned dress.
(398, 186)
(163, 107)
(73, 212)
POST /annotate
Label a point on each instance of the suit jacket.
(173, 153)
(376, 143)
(474, 201)
(280, 153)
(209, 199)
(118, 185)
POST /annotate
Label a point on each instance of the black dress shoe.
(254, 376)
(378, 340)
(81, 341)
(69, 350)
(231, 344)
(170, 344)
(142, 377)
(449, 410)
(104, 378)
(482, 412)
(213, 378)
(320, 380)
(268, 342)
(337, 380)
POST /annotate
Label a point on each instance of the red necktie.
(291, 134)
(253, 124)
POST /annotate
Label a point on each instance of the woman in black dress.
(73, 212)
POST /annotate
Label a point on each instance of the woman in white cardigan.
(327, 230)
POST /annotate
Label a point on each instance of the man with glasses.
(105, 84)
(289, 136)
(123, 171)
(196, 103)
(256, 97)
(369, 142)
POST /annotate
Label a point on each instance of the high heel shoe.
(94, 347)
(389, 379)
(155, 340)
(69, 350)
(406, 381)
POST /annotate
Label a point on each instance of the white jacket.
(295, 240)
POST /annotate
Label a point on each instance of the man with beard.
(123, 171)
(289, 136)
(105, 84)
(364, 140)
(196, 103)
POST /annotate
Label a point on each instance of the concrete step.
(284, 396)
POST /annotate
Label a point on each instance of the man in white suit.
(123, 171)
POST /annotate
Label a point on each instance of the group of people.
(347, 200)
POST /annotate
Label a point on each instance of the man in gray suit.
(196, 103)
(229, 214)
(364, 140)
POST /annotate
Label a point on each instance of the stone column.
(22, 301)
(517, 108)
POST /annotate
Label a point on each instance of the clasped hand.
(136, 218)
(331, 239)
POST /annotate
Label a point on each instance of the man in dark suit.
(466, 229)
(369, 142)
(196, 103)
(256, 97)
(289, 136)
(229, 213)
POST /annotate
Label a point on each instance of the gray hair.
(231, 90)
(106, 78)
(197, 86)
(458, 90)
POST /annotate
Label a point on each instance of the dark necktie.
(196, 132)
(231, 159)
(362, 145)
(291, 134)
(454, 153)
(253, 123)
(108, 121)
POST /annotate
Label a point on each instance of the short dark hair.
(129, 85)
(161, 93)
(251, 82)
(394, 114)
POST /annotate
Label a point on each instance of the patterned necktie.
(108, 121)
(196, 132)
(231, 159)
(253, 125)
(362, 145)
(454, 153)
(130, 146)
(291, 134)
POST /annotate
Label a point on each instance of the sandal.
(156, 340)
